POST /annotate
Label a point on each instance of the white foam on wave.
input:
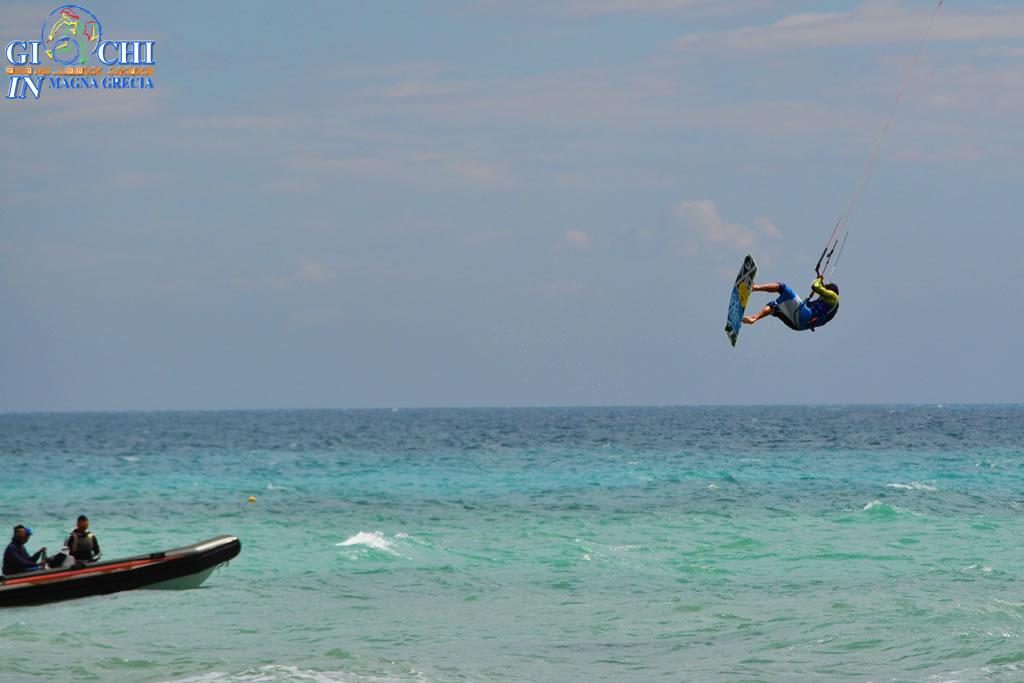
(130, 458)
(882, 505)
(912, 486)
(372, 539)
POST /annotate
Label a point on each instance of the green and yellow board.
(740, 294)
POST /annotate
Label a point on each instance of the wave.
(281, 673)
(879, 508)
(370, 539)
(912, 486)
(375, 544)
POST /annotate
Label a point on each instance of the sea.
(770, 543)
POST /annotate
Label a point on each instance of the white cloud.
(246, 122)
(57, 109)
(563, 99)
(309, 273)
(980, 90)
(576, 239)
(588, 7)
(314, 273)
(598, 7)
(1005, 51)
(49, 256)
(701, 225)
(607, 97)
(412, 168)
(352, 71)
(700, 219)
(477, 172)
(873, 22)
(767, 227)
(836, 119)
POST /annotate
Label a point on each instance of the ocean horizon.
(567, 406)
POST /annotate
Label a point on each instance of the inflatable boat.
(185, 567)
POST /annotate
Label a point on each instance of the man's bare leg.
(767, 287)
(767, 310)
(751, 319)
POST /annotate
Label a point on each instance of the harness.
(829, 314)
(812, 323)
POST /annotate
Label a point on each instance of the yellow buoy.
(252, 499)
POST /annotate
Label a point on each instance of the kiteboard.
(738, 301)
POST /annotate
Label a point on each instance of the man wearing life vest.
(796, 313)
(82, 544)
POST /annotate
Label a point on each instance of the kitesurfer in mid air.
(794, 311)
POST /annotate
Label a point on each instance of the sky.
(514, 203)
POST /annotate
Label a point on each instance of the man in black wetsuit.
(17, 559)
(82, 544)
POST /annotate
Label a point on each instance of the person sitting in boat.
(82, 544)
(17, 559)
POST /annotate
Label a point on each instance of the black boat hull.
(117, 575)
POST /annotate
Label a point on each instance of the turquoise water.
(690, 544)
